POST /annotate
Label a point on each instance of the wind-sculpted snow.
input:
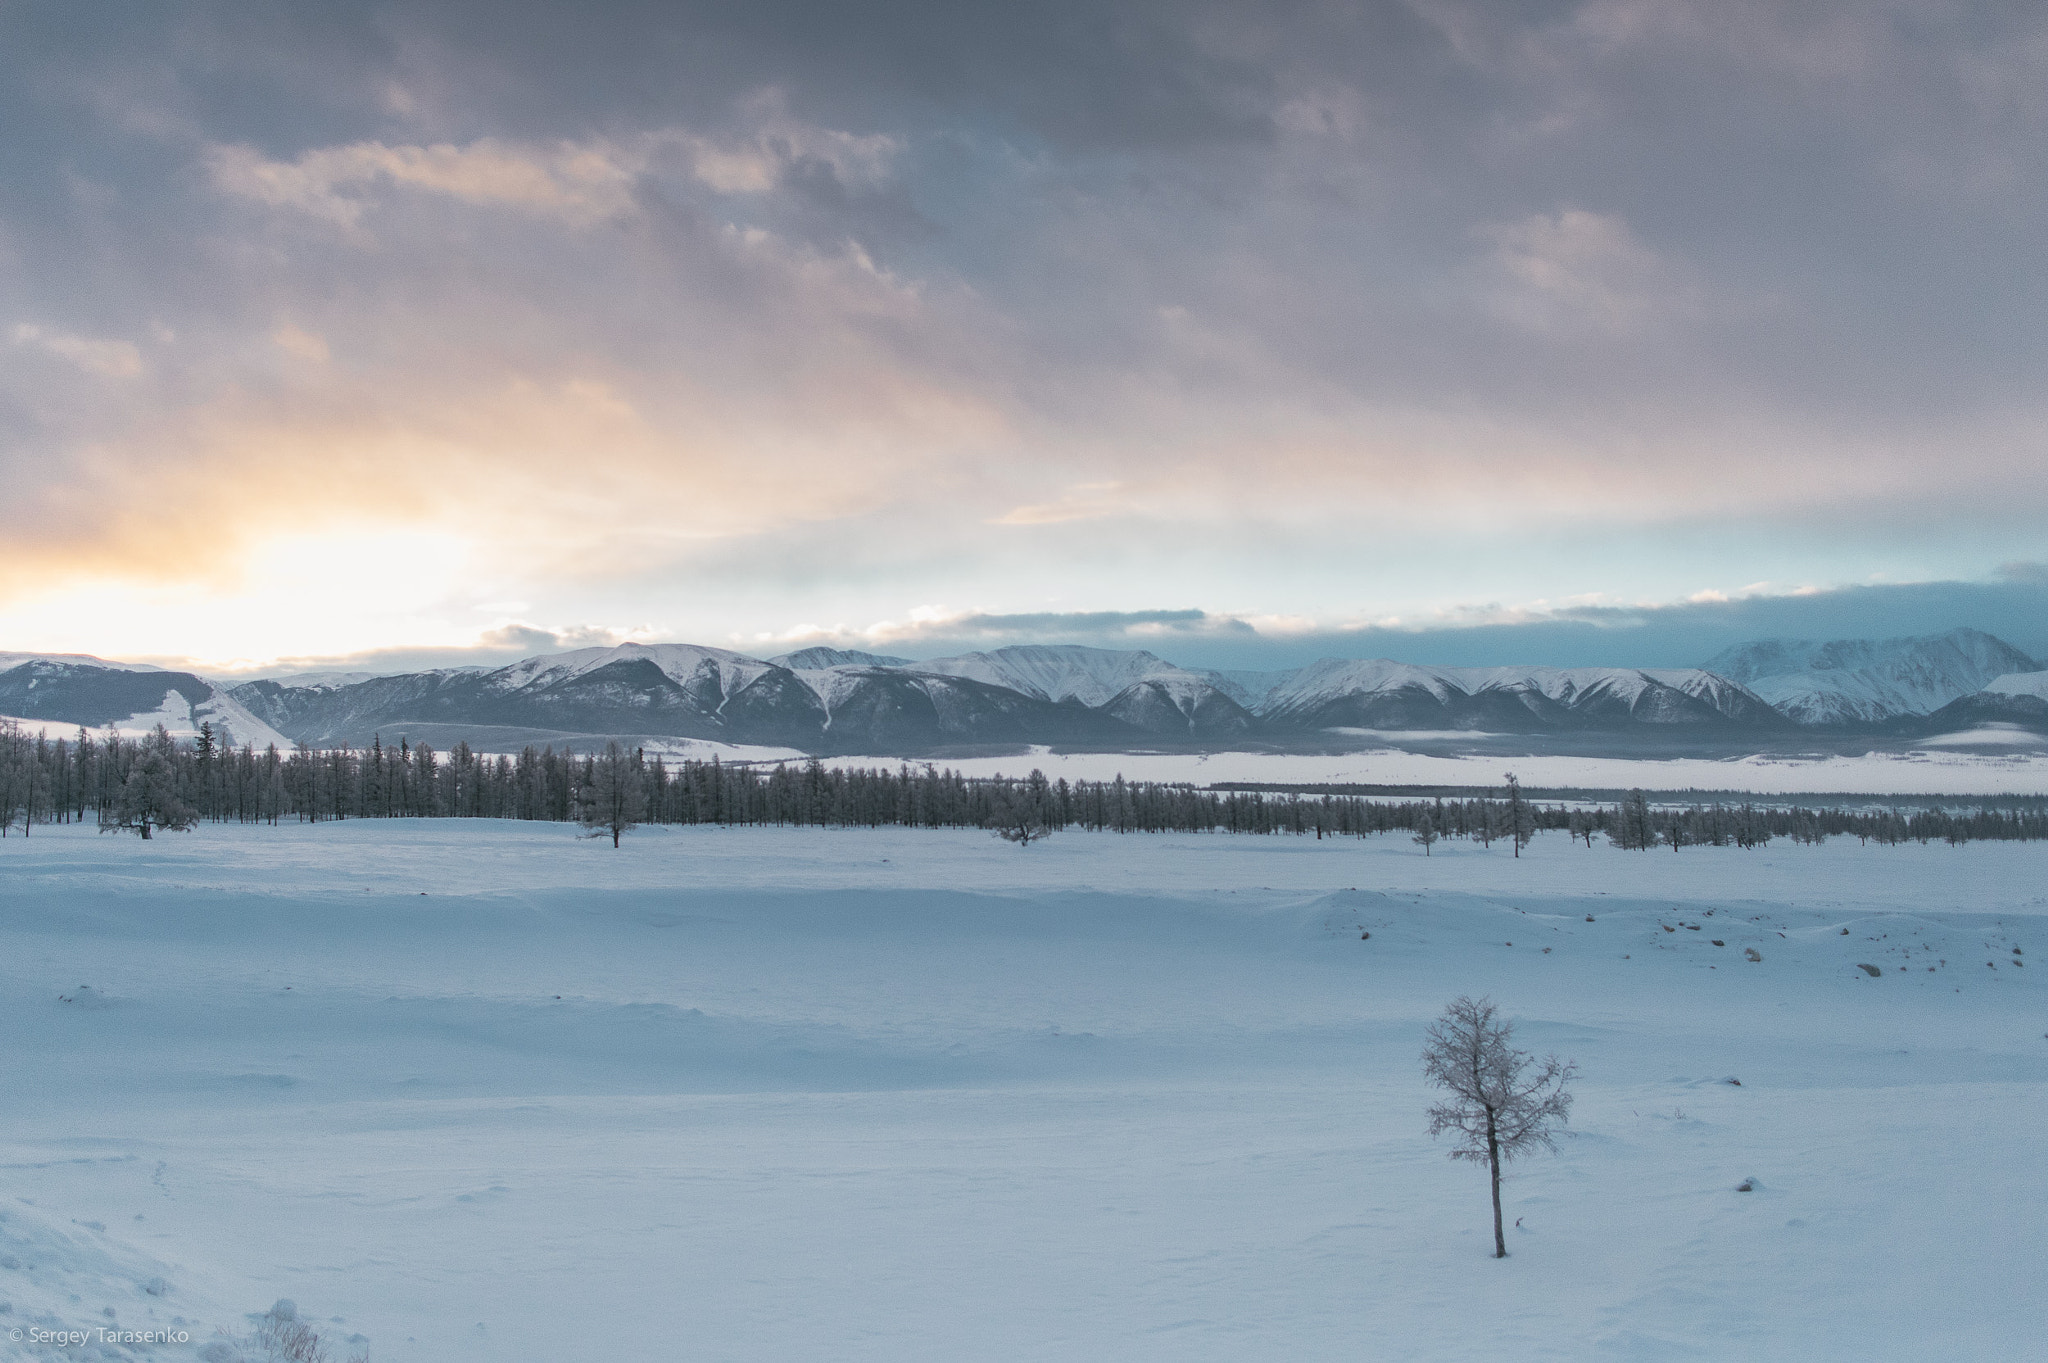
(485, 1091)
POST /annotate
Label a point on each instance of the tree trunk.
(1500, 1244)
(615, 835)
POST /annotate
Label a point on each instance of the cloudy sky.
(1572, 332)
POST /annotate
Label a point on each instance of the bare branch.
(1504, 1103)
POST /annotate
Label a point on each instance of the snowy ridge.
(1252, 690)
(2020, 684)
(13, 660)
(834, 684)
(1131, 688)
(835, 701)
(1337, 692)
(1330, 678)
(812, 659)
(314, 681)
(53, 695)
(1864, 681)
(1058, 672)
(233, 723)
(680, 663)
(1566, 684)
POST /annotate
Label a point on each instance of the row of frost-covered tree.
(157, 781)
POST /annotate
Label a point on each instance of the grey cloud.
(1679, 635)
(1102, 629)
(493, 648)
(526, 640)
(1138, 236)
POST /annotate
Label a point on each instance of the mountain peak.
(814, 658)
(1057, 672)
(1861, 681)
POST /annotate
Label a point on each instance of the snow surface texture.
(484, 1091)
(1935, 772)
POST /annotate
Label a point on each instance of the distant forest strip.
(1612, 794)
(161, 782)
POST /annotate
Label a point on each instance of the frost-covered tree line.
(158, 781)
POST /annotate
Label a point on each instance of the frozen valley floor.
(481, 1091)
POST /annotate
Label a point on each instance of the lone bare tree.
(1015, 817)
(1521, 820)
(1425, 832)
(1503, 1101)
(616, 797)
(149, 798)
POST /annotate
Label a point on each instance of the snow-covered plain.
(1934, 771)
(483, 1091)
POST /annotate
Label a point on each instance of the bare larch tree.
(615, 798)
(1017, 818)
(1425, 832)
(1503, 1101)
(149, 798)
(1521, 820)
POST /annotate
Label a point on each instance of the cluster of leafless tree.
(157, 781)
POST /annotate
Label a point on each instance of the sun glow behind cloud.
(716, 342)
(297, 593)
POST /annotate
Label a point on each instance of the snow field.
(1931, 768)
(901, 1094)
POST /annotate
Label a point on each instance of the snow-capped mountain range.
(1869, 681)
(59, 692)
(845, 701)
